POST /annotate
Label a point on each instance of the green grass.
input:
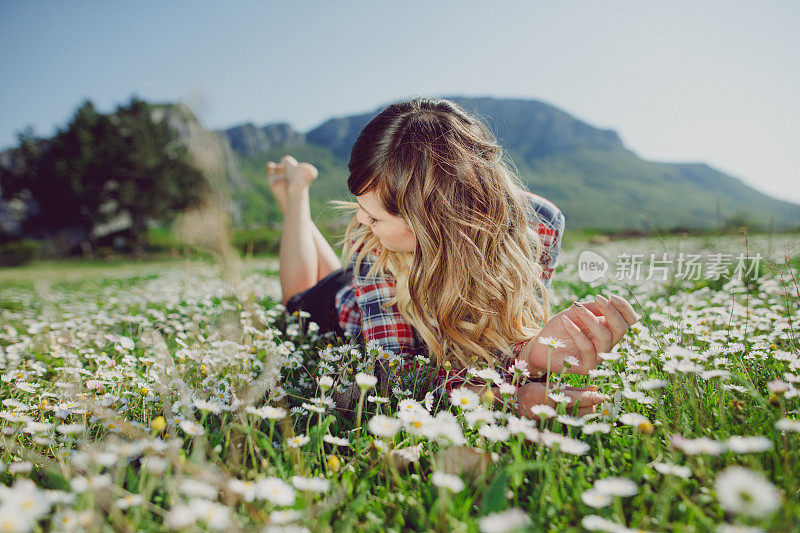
(195, 334)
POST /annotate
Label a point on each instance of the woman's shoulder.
(544, 210)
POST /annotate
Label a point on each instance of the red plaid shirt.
(362, 316)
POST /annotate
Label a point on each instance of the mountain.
(586, 171)
(249, 140)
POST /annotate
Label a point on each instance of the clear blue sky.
(717, 82)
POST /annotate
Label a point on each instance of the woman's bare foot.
(299, 175)
(278, 184)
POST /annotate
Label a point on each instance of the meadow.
(177, 395)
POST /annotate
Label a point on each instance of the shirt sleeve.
(380, 323)
(549, 222)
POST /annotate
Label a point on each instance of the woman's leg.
(305, 255)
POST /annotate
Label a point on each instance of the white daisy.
(595, 498)
(616, 486)
(494, 433)
(465, 399)
(311, 484)
(553, 342)
(366, 381)
(276, 491)
(447, 481)
(384, 426)
(298, 441)
(504, 521)
(673, 470)
(743, 491)
(754, 444)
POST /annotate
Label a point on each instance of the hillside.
(585, 170)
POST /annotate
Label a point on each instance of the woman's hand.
(586, 329)
(533, 393)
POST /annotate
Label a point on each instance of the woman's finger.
(583, 411)
(585, 401)
(625, 309)
(614, 320)
(601, 336)
(588, 354)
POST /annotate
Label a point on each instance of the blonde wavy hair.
(472, 286)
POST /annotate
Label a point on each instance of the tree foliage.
(101, 166)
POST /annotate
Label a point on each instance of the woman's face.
(393, 232)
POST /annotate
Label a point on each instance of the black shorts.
(319, 301)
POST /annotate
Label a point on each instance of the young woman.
(448, 255)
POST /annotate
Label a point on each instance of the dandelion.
(552, 342)
(384, 426)
(504, 521)
(447, 481)
(743, 491)
(298, 441)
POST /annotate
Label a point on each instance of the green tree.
(64, 175)
(153, 177)
(101, 166)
